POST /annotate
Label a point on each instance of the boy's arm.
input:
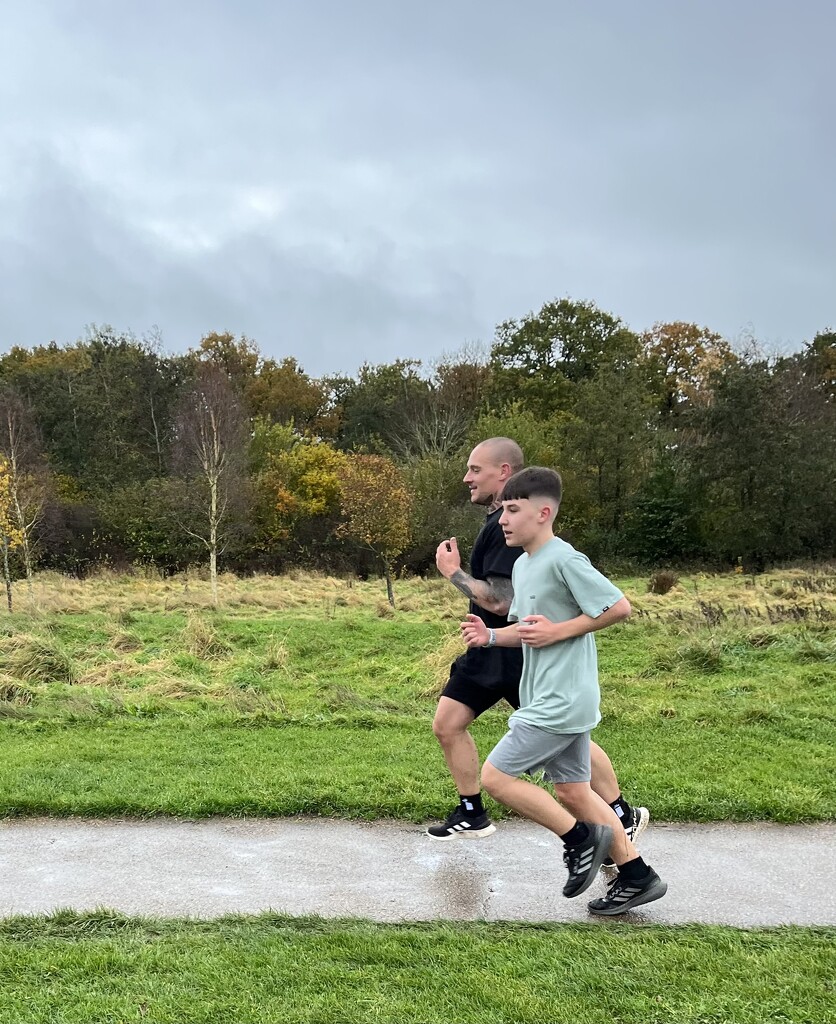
(476, 634)
(538, 631)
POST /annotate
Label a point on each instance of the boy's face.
(484, 476)
(523, 519)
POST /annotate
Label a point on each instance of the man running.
(483, 676)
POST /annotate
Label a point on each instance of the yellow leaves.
(309, 481)
(313, 481)
(376, 503)
(688, 356)
(9, 528)
(301, 484)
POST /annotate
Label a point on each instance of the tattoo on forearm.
(461, 581)
(501, 589)
(497, 589)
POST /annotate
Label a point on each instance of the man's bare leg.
(605, 784)
(450, 725)
(525, 798)
(604, 780)
(469, 819)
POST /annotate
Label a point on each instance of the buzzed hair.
(504, 449)
(534, 482)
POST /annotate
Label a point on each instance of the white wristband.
(491, 638)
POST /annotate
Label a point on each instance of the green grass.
(306, 695)
(99, 968)
(324, 706)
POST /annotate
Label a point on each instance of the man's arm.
(494, 594)
(538, 631)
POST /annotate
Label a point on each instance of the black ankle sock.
(472, 805)
(634, 870)
(576, 835)
(623, 810)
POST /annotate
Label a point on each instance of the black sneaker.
(584, 859)
(462, 826)
(624, 895)
(639, 820)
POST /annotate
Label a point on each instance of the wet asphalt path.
(732, 874)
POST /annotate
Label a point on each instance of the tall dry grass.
(790, 593)
(127, 593)
(89, 634)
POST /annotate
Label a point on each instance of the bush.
(662, 581)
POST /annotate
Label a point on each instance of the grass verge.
(387, 770)
(102, 968)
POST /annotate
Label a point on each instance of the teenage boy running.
(559, 601)
(482, 678)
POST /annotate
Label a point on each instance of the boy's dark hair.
(534, 482)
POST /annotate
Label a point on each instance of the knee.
(494, 781)
(567, 794)
(446, 731)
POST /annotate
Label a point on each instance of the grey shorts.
(525, 749)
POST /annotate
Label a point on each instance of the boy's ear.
(549, 511)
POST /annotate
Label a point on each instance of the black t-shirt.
(491, 667)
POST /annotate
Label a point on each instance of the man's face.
(484, 476)
(522, 521)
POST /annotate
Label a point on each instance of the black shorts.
(466, 690)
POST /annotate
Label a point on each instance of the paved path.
(743, 875)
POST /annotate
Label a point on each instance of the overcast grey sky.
(367, 180)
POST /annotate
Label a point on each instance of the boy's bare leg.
(450, 725)
(531, 801)
(585, 845)
(604, 780)
(586, 805)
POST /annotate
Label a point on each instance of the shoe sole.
(655, 892)
(601, 853)
(644, 821)
(481, 833)
(611, 870)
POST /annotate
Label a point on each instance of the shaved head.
(490, 464)
(502, 450)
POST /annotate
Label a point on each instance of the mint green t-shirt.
(559, 686)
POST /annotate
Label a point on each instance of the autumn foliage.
(675, 445)
(376, 505)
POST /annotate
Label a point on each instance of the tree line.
(674, 446)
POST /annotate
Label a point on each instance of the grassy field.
(129, 694)
(106, 969)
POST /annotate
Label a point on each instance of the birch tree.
(27, 475)
(210, 449)
(10, 535)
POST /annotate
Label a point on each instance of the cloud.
(365, 182)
